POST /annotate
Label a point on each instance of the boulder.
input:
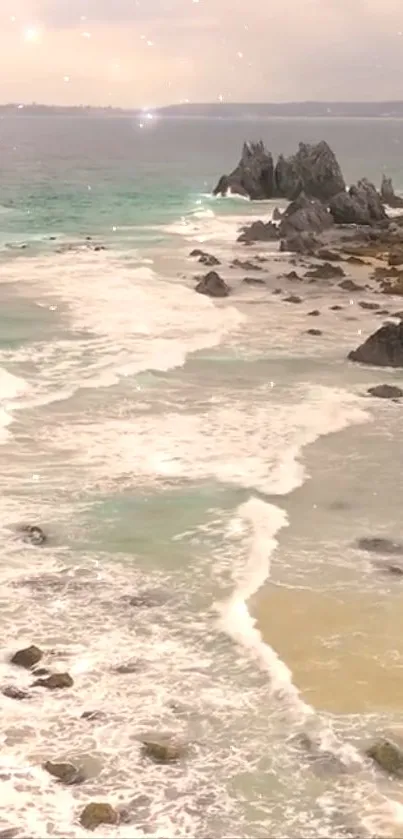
(388, 756)
(27, 657)
(388, 193)
(254, 175)
(67, 773)
(14, 693)
(33, 534)
(384, 348)
(259, 231)
(57, 681)
(386, 391)
(360, 205)
(327, 271)
(162, 749)
(304, 215)
(213, 285)
(313, 169)
(97, 813)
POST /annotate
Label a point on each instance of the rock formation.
(259, 231)
(360, 205)
(313, 169)
(213, 285)
(304, 215)
(382, 349)
(388, 193)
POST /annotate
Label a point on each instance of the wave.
(11, 389)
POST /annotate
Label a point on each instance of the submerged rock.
(33, 534)
(162, 749)
(213, 285)
(293, 298)
(388, 195)
(372, 307)
(97, 813)
(386, 391)
(382, 349)
(67, 773)
(350, 285)
(377, 544)
(57, 681)
(14, 693)
(27, 657)
(314, 332)
(388, 756)
(253, 281)
(314, 314)
(205, 258)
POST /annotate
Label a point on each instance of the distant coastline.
(218, 110)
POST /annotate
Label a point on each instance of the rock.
(97, 813)
(259, 231)
(33, 534)
(395, 258)
(56, 681)
(302, 243)
(27, 657)
(325, 272)
(67, 773)
(328, 255)
(128, 668)
(293, 298)
(372, 307)
(377, 544)
(386, 392)
(92, 715)
(277, 214)
(388, 193)
(14, 693)
(314, 313)
(213, 285)
(304, 215)
(336, 308)
(313, 169)
(360, 205)
(292, 275)
(394, 287)
(162, 749)
(9, 832)
(99, 248)
(245, 264)
(254, 175)
(253, 281)
(350, 285)
(356, 260)
(205, 258)
(384, 348)
(314, 332)
(391, 568)
(388, 756)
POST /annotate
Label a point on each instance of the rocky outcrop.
(313, 169)
(382, 349)
(254, 175)
(213, 285)
(388, 193)
(304, 215)
(259, 231)
(97, 813)
(360, 205)
(27, 657)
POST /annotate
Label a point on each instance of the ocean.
(203, 470)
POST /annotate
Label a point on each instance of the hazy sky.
(153, 52)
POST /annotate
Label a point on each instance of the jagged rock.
(304, 215)
(293, 298)
(360, 205)
(388, 756)
(254, 175)
(313, 169)
(386, 391)
(259, 231)
(382, 349)
(67, 773)
(213, 285)
(327, 271)
(27, 657)
(162, 749)
(253, 281)
(372, 307)
(350, 285)
(302, 243)
(314, 332)
(97, 813)
(14, 693)
(33, 534)
(388, 193)
(56, 681)
(314, 313)
(377, 544)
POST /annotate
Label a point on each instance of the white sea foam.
(11, 387)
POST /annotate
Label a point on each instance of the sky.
(148, 53)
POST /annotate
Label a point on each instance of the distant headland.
(220, 110)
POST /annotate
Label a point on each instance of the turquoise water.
(165, 442)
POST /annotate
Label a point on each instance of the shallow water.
(196, 465)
